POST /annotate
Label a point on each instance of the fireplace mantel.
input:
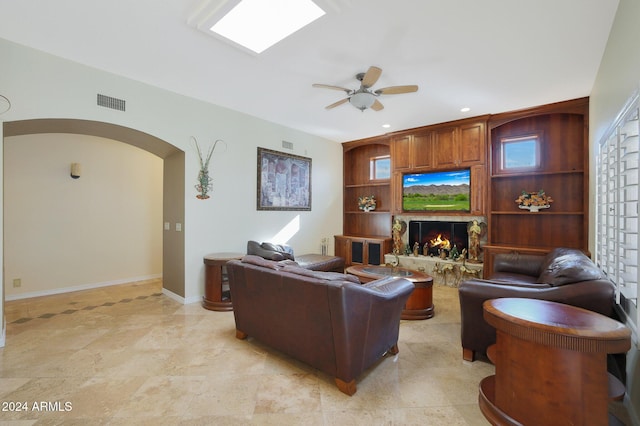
(441, 218)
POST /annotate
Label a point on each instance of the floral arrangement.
(367, 203)
(205, 183)
(534, 199)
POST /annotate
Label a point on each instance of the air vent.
(287, 145)
(109, 102)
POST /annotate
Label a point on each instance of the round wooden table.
(216, 288)
(419, 306)
(551, 363)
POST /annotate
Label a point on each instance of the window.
(617, 209)
(520, 153)
(380, 167)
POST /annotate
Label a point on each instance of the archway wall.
(42, 86)
(63, 234)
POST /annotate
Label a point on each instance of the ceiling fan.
(364, 98)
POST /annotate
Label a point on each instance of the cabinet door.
(401, 152)
(422, 150)
(374, 252)
(471, 148)
(445, 147)
(343, 249)
(358, 251)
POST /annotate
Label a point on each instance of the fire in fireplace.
(434, 236)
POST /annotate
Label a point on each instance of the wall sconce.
(75, 170)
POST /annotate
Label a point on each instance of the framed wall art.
(284, 181)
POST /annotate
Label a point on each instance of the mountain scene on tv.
(440, 191)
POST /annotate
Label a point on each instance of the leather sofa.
(327, 320)
(564, 275)
(316, 262)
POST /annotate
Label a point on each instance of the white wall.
(618, 78)
(42, 86)
(63, 233)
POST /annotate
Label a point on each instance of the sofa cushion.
(269, 251)
(568, 266)
(319, 262)
(321, 275)
(267, 263)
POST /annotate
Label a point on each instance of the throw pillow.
(570, 268)
(285, 251)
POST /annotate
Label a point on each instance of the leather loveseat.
(327, 320)
(316, 262)
(564, 275)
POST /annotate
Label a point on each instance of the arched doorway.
(173, 179)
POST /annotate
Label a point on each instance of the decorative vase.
(534, 209)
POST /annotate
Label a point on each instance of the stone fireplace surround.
(443, 271)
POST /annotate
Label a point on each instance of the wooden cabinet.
(459, 146)
(452, 146)
(362, 250)
(562, 172)
(411, 151)
(447, 152)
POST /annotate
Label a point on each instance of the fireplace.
(438, 236)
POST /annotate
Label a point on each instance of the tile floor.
(128, 355)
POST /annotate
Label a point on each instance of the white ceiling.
(491, 55)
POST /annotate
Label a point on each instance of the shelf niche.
(358, 182)
(561, 173)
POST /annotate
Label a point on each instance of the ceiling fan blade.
(377, 105)
(396, 90)
(335, 104)
(328, 86)
(372, 75)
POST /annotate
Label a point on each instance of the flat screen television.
(437, 191)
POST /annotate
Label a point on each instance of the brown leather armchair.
(564, 275)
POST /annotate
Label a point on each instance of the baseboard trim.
(91, 286)
(180, 299)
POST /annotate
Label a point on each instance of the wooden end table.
(419, 306)
(551, 363)
(216, 288)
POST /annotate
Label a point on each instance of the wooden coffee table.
(419, 306)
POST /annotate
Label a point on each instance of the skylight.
(259, 24)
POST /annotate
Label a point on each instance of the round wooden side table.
(551, 363)
(216, 288)
(419, 306)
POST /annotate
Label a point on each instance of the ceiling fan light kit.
(363, 98)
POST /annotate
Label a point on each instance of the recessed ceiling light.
(465, 109)
(386, 126)
(258, 24)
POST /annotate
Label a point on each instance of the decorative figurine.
(416, 249)
(474, 241)
(453, 254)
(398, 229)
